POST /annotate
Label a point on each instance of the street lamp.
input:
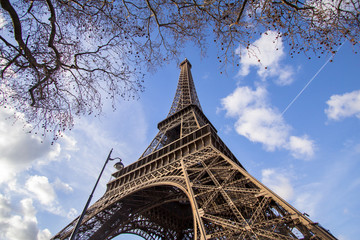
(119, 165)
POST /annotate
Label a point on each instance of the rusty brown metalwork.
(188, 185)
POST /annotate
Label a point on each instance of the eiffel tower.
(188, 185)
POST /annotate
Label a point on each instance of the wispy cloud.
(65, 187)
(278, 182)
(308, 199)
(343, 106)
(284, 182)
(334, 180)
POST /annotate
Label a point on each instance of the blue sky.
(310, 155)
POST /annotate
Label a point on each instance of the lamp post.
(119, 165)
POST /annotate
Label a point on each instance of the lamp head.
(119, 165)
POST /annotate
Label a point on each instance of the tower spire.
(185, 92)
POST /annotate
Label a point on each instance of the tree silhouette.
(61, 58)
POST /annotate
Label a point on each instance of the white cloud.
(308, 201)
(58, 184)
(5, 208)
(2, 20)
(241, 98)
(19, 150)
(342, 106)
(42, 190)
(278, 183)
(301, 147)
(21, 225)
(44, 235)
(266, 54)
(70, 143)
(72, 213)
(40, 186)
(264, 125)
(259, 122)
(255, 118)
(53, 153)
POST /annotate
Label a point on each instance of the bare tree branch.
(6, 5)
(240, 13)
(59, 57)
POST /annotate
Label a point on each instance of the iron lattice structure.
(188, 185)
